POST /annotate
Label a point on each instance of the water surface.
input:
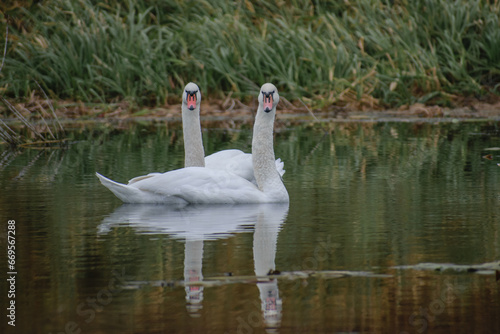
(370, 201)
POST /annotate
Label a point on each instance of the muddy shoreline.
(232, 114)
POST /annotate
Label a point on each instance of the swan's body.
(207, 185)
(189, 185)
(237, 162)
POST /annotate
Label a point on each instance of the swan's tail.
(124, 192)
(280, 165)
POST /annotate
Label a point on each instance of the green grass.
(387, 52)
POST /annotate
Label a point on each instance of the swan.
(232, 160)
(211, 186)
(235, 161)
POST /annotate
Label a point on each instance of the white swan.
(235, 161)
(206, 185)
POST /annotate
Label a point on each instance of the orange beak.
(268, 102)
(191, 101)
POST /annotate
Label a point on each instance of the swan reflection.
(267, 227)
(193, 263)
(196, 223)
(191, 222)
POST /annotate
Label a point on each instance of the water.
(365, 199)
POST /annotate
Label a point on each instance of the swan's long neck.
(264, 166)
(193, 257)
(194, 154)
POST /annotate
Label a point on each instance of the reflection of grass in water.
(365, 53)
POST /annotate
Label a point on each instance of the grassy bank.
(364, 52)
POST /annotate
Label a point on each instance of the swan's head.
(191, 97)
(268, 97)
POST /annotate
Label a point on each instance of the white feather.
(216, 185)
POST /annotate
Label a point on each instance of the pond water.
(391, 228)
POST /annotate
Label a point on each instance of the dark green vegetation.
(376, 53)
